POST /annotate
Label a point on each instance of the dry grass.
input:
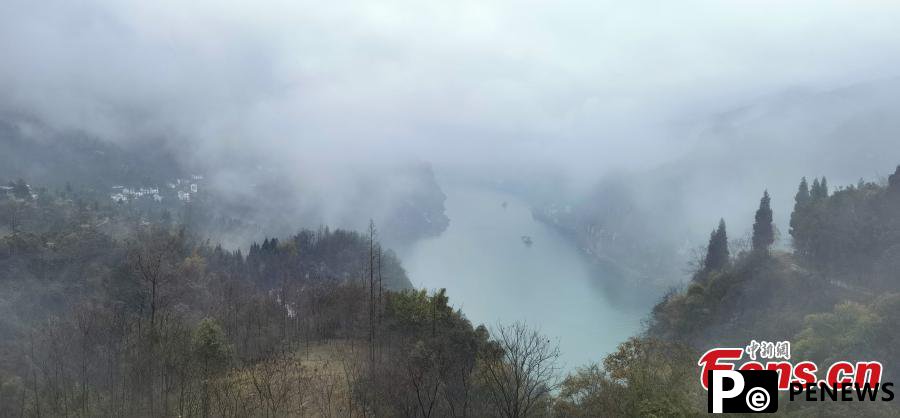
(314, 381)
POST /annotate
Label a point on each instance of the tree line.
(112, 314)
(833, 291)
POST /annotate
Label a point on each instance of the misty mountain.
(33, 151)
(261, 200)
(649, 223)
(847, 133)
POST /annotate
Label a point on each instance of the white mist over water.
(495, 278)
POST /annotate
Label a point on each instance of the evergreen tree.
(763, 230)
(210, 347)
(801, 203)
(894, 181)
(717, 252)
(819, 189)
(815, 190)
(801, 199)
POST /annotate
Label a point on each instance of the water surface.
(495, 278)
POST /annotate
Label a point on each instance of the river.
(495, 278)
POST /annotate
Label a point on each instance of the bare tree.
(352, 370)
(520, 370)
(152, 260)
(371, 293)
(86, 321)
(742, 245)
(696, 260)
(326, 387)
(272, 385)
(10, 212)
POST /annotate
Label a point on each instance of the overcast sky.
(584, 83)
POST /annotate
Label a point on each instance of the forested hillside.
(835, 295)
(719, 166)
(112, 310)
(235, 203)
(108, 310)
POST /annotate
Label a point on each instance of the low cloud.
(581, 86)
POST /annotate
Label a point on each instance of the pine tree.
(814, 189)
(801, 203)
(763, 230)
(801, 199)
(894, 181)
(717, 252)
(819, 189)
